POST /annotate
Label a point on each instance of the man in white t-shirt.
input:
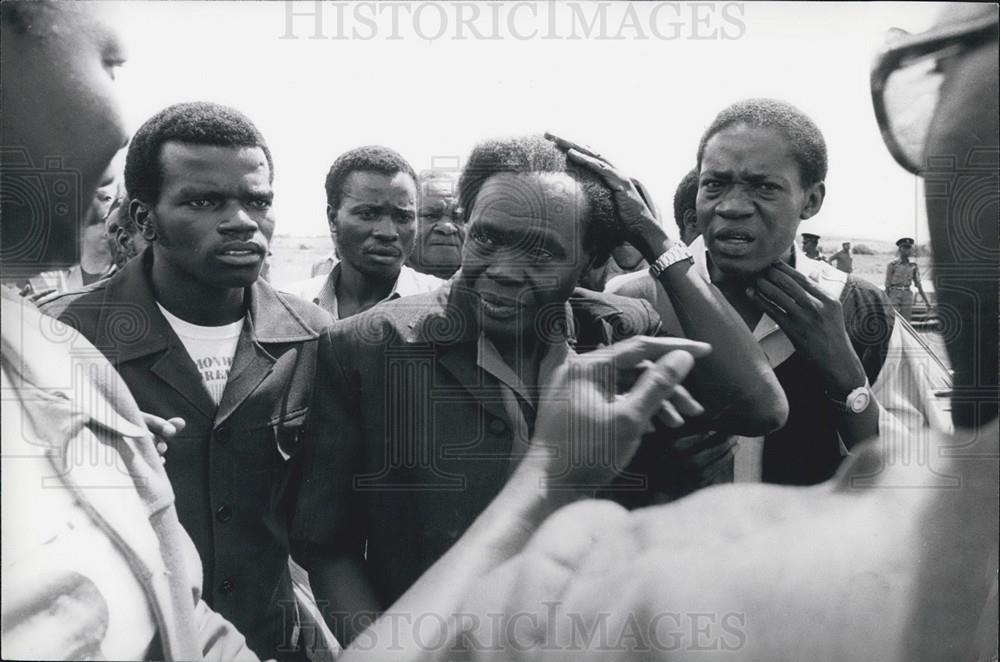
(196, 333)
(371, 197)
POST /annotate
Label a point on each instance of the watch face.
(858, 400)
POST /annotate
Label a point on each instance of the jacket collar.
(131, 323)
(453, 324)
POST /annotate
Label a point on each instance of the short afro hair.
(685, 196)
(370, 158)
(805, 138)
(535, 154)
(196, 123)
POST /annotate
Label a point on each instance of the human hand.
(163, 430)
(637, 215)
(813, 322)
(587, 431)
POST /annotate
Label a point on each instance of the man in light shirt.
(371, 197)
(95, 562)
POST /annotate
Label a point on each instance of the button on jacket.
(242, 471)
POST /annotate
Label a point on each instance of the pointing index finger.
(630, 353)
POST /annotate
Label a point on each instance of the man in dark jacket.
(438, 393)
(196, 334)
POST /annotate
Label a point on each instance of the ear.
(813, 202)
(122, 237)
(140, 214)
(331, 219)
(690, 220)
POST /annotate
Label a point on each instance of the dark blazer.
(435, 437)
(242, 502)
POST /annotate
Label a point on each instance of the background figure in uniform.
(843, 259)
(900, 274)
(810, 246)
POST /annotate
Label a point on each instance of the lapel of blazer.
(131, 326)
(459, 355)
(271, 321)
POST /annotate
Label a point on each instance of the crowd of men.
(503, 391)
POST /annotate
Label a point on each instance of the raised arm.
(735, 384)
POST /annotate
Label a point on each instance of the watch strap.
(676, 253)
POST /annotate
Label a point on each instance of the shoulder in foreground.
(309, 312)
(413, 282)
(403, 318)
(55, 304)
(863, 287)
(303, 289)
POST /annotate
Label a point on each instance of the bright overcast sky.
(643, 100)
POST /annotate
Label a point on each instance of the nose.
(446, 228)
(385, 229)
(736, 203)
(503, 270)
(239, 221)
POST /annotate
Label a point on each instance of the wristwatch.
(676, 253)
(856, 402)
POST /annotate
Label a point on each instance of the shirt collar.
(488, 357)
(326, 298)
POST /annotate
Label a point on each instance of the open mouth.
(498, 307)
(733, 241)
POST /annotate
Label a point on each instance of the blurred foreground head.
(935, 96)
(59, 129)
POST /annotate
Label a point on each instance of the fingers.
(162, 427)
(659, 383)
(685, 404)
(630, 353)
(669, 416)
(566, 144)
(675, 412)
(612, 177)
(806, 284)
(776, 313)
(776, 295)
(646, 197)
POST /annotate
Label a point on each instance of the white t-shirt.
(210, 347)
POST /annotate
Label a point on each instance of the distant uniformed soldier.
(900, 274)
(842, 259)
(810, 246)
